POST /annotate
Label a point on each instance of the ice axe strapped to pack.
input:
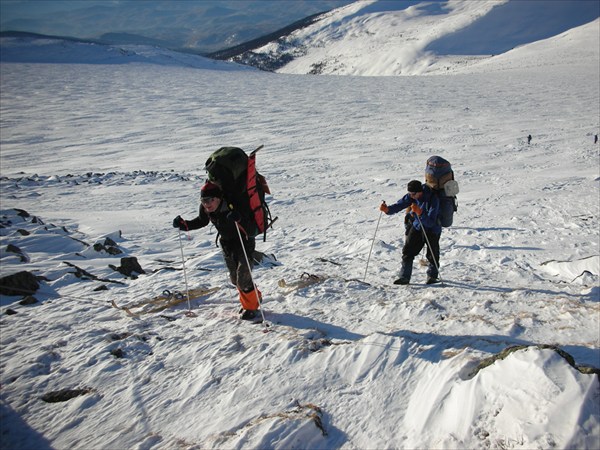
(243, 187)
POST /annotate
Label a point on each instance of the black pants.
(236, 263)
(412, 247)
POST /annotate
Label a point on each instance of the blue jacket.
(430, 209)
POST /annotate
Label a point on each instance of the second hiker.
(214, 210)
(422, 228)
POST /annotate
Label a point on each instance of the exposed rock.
(109, 246)
(22, 213)
(507, 351)
(64, 394)
(16, 250)
(85, 275)
(20, 283)
(119, 336)
(29, 300)
(117, 353)
(130, 267)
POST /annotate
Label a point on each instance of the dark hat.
(210, 190)
(415, 186)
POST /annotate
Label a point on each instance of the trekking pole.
(237, 227)
(187, 288)
(437, 267)
(372, 243)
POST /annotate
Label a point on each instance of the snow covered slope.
(577, 50)
(102, 157)
(58, 51)
(376, 37)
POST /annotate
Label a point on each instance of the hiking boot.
(248, 314)
(432, 280)
(402, 280)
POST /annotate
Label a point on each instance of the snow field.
(378, 366)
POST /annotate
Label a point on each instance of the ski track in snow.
(97, 149)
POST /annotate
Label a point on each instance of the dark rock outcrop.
(20, 283)
(130, 267)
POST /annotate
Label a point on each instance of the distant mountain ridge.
(241, 49)
(23, 47)
(195, 26)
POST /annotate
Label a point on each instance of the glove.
(384, 208)
(415, 208)
(234, 216)
(178, 222)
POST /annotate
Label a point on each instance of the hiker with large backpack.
(430, 206)
(233, 201)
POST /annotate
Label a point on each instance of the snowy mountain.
(98, 157)
(376, 37)
(30, 48)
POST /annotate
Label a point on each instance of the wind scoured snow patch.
(583, 270)
(521, 401)
(300, 425)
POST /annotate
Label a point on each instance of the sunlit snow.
(95, 150)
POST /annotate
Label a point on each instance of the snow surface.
(97, 150)
(52, 50)
(379, 38)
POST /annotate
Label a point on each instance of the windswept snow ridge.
(50, 50)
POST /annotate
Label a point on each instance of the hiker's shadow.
(16, 433)
(306, 323)
(593, 295)
(497, 247)
(44, 294)
(436, 346)
(482, 229)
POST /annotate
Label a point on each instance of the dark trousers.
(236, 263)
(412, 247)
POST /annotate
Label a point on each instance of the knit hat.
(415, 186)
(210, 190)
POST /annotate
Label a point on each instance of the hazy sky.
(199, 24)
(13, 9)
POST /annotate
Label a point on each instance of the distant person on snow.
(422, 220)
(595, 139)
(213, 209)
(528, 139)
